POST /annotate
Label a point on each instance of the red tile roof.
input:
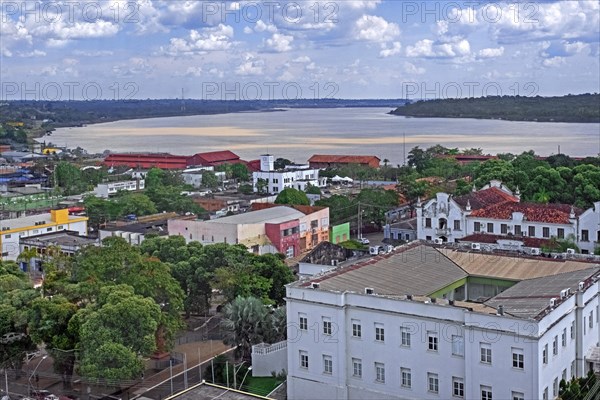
(218, 156)
(485, 198)
(492, 239)
(322, 158)
(306, 210)
(549, 213)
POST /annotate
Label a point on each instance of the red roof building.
(170, 161)
(332, 161)
(492, 196)
(532, 212)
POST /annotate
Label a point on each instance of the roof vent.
(581, 285)
(369, 290)
(553, 302)
(315, 285)
(500, 310)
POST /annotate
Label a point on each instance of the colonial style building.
(495, 214)
(424, 323)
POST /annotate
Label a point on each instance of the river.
(296, 134)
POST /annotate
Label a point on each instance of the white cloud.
(429, 49)
(216, 38)
(491, 52)
(250, 66)
(248, 30)
(30, 54)
(260, 26)
(194, 71)
(553, 62)
(97, 53)
(375, 29)
(412, 69)
(279, 42)
(301, 59)
(387, 52)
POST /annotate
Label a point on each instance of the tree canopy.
(293, 197)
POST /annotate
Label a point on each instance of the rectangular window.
(564, 374)
(485, 350)
(555, 388)
(458, 346)
(477, 226)
(406, 377)
(517, 358)
(48, 229)
(303, 322)
(486, 393)
(458, 387)
(591, 320)
(303, 359)
(326, 326)
(356, 328)
(327, 365)
(545, 354)
(573, 330)
(585, 235)
(379, 332)
(518, 231)
(531, 231)
(546, 232)
(432, 341)
(555, 346)
(572, 369)
(380, 372)
(503, 229)
(427, 222)
(490, 227)
(405, 337)
(564, 337)
(357, 368)
(560, 233)
(433, 382)
(457, 224)
(517, 396)
(545, 394)
(7, 236)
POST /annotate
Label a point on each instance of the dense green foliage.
(229, 268)
(578, 108)
(577, 388)
(293, 197)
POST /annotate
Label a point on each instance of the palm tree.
(245, 321)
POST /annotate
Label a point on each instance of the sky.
(243, 50)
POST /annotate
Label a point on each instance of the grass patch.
(261, 386)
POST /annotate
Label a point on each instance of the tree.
(281, 163)
(68, 177)
(311, 189)
(262, 186)
(135, 203)
(245, 322)
(293, 197)
(209, 179)
(240, 172)
(418, 158)
(110, 349)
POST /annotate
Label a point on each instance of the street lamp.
(241, 384)
(35, 369)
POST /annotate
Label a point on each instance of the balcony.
(442, 231)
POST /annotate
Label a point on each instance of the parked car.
(12, 337)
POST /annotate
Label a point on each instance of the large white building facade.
(497, 213)
(293, 176)
(381, 330)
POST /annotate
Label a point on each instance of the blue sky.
(303, 48)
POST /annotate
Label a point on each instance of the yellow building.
(11, 230)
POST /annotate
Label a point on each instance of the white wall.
(269, 358)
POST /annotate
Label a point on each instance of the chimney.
(468, 207)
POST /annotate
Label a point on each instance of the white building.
(193, 176)
(402, 327)
(105, 190)
(293, 176)
(589, 229)
(495, 214)
(11, 230)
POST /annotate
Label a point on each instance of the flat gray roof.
(273, 215)
(419, 270)
(30, 220)
(528, 298)
(206, 391)
(61, 238)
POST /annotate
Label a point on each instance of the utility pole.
(171, 372)
(359, 221)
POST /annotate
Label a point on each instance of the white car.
(363, 240)
(11, 337)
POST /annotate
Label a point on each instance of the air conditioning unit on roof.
(475, 246)
(438, 241)
(535, 251)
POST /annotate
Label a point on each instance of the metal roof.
(273, 215)
(512, 266)
(529, 298)
(419, 270)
